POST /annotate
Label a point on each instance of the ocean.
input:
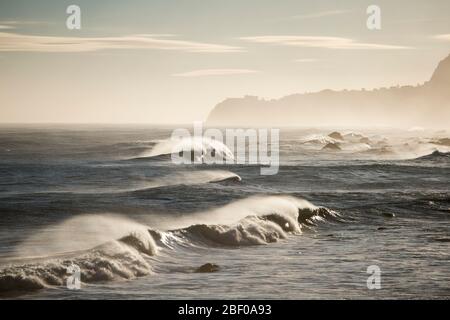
(140, 227)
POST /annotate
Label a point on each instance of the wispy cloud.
(320, 42)
(23, 22)
(14, 24)
(319, 14)
(33, 43)
(443, 37)
(214, 72)
(305, 60)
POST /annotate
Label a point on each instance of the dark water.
(73, 194)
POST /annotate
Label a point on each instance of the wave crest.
(435, 155)
(260, 229)
(247, 222)
(199, 146)
(117, 259)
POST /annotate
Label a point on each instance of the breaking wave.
(255, 220)
(375, 146)
(258, 230)
(116, 259)
(200, 147)
(252, 221)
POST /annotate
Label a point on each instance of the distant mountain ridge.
(424, 105)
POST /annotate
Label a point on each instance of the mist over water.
(139, 226)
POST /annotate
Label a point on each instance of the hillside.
(424, 105)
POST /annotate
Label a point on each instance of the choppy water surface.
(139, 226)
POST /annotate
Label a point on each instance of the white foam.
(200, 145)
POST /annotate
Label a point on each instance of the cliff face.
(426, 105)
(441, 76)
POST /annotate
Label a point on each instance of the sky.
(172, 61)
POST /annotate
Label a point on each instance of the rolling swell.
(436, 155)
(128, 257)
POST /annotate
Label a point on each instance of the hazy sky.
(171, 61)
